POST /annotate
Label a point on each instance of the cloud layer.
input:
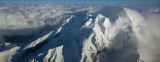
(24, 19)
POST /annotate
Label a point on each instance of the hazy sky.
(79, 1)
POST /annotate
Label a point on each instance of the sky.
(79, 1)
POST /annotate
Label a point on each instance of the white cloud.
(147, 31)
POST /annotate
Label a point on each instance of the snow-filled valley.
(79, 33)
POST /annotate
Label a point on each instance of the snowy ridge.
(54, 55)
(88, 24)
(64, 23)
(41, 42)
(102, 37)
(93, 43)
(33, 44)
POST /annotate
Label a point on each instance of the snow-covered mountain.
(111, 33)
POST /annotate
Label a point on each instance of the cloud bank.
(24, 19)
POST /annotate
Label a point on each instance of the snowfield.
(79, 33)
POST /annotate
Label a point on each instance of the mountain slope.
(85, 38)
